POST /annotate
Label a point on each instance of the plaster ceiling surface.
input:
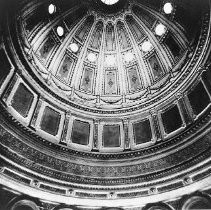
(125, 56)
(101, 101)
(114, 63)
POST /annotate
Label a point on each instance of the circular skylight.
(146, 46)
(129, 57)
(110, 60)
(60, 31)
(168, 8)
(160, 29)
(91, 57)
(109, 2)
(51, 9)
(74, 47)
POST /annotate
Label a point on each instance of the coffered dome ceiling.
(106, 60)
(118, 64)
(105, 99)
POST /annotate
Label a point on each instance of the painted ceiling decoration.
(103, 102)
(108, 41)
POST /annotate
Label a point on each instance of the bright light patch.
(146, 46)
(110, 2)
(160, 29)
(110, 60)
(60, 31)
(74, 47)
(168, 8)
(129, 57)
(51, 9)
(92, 57)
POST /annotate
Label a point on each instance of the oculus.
(60, 31)
(110, 60)
(74, 47)
(92, 57)
(51, 9)
(129, 57)
(146, 46)
(109, 2)
(168, 8)
(160, 29)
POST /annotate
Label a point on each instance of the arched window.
(24, 205)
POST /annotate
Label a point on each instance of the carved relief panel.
(96, 39)
(46, 48)
(84, 30)
(135, 28)
(173, 46)
(110, 83)
(157, 71)
(65, 68)
(87, 79)
(134, 81)
(124, 39)
(75, 17)
(110, 38)
(144, 16)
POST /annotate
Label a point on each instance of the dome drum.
(134, 81)
(57, 113)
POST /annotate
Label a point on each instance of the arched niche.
(24, 202)
(24, 205)
(65, 207)
(197, 202)
(110, 37)
(157, 206)
(97, 35)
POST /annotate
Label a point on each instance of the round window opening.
(109, 2)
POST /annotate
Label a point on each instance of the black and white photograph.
(105, 104)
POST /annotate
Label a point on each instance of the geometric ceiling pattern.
(108, 62)
(126, 65)
(123, 66)
(104, 60)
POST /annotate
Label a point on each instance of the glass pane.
(80, 132)
(111, 136)
(171, 119)
(142, 132)
(199, 99)
(22, 100)
(50, 121)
